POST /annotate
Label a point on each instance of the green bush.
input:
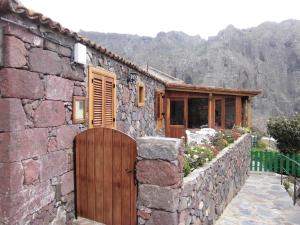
(186, 167)
(261, 145)
(286, 184)
(240, 130)
(219, 141)
(287, 133)
(228, 136)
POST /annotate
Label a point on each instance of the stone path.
(261, 201)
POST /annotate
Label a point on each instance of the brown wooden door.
(105, 186)
(176, 122)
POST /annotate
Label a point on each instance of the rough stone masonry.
(165, 197)
(37, 83)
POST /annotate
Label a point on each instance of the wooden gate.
(105, 185)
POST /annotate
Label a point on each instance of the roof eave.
(210, 89)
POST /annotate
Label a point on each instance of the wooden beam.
(186, 112)
(249, 112)
(213, 113)
(209, 89)
(238, 111)
(167, 117)
(244, 118)
(211, 121)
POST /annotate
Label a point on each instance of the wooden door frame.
(168, 113)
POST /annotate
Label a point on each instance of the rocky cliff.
(266, 57)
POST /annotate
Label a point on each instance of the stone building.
(47, 72)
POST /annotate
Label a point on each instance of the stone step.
(84, 221)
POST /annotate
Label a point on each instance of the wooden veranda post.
(249, 111)
(211, 111)
(238, 111)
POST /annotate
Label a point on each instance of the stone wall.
(37, 84)
(165, 197)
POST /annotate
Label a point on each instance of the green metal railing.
(263, 160)
(271, 161)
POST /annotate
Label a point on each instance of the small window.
(78, 109)
(141, 94)
(177, 112)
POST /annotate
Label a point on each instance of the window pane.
(79, 110)
(198, 112)
(177, 112)
(218, 113)
(229, 112)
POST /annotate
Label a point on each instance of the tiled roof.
(16, 7)
(161, 75)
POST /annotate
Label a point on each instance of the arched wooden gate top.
(85, 132)
(105, 185)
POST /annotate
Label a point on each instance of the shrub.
(257, 132)
(219, 142)
(286, 184)
(287, 133)
(261, 145)
(195, 157)
(228, 136)
(186, 167)
(240, 130)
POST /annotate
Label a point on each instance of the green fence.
(263, 160)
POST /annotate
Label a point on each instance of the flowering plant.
(196, 156)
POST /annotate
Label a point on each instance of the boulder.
(202, 136)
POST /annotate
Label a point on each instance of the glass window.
(218, 113)
(229, 112)
(198, 112)
(141, 94)
(177, 112)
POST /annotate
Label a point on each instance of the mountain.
(265, 57)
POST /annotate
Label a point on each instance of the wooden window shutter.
(109, 102)
(98, 101)
(159, 108)
(102, 102)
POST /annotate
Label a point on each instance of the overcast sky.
(194, 17)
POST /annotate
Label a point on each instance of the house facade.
(55, 84)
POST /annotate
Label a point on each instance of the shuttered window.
(102, 107)
(159, 108)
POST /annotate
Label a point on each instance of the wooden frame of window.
(74, 118)
(106, 99)
(140, 94)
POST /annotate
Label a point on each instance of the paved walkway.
(261, 201)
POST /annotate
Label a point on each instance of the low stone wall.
(165, 197)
